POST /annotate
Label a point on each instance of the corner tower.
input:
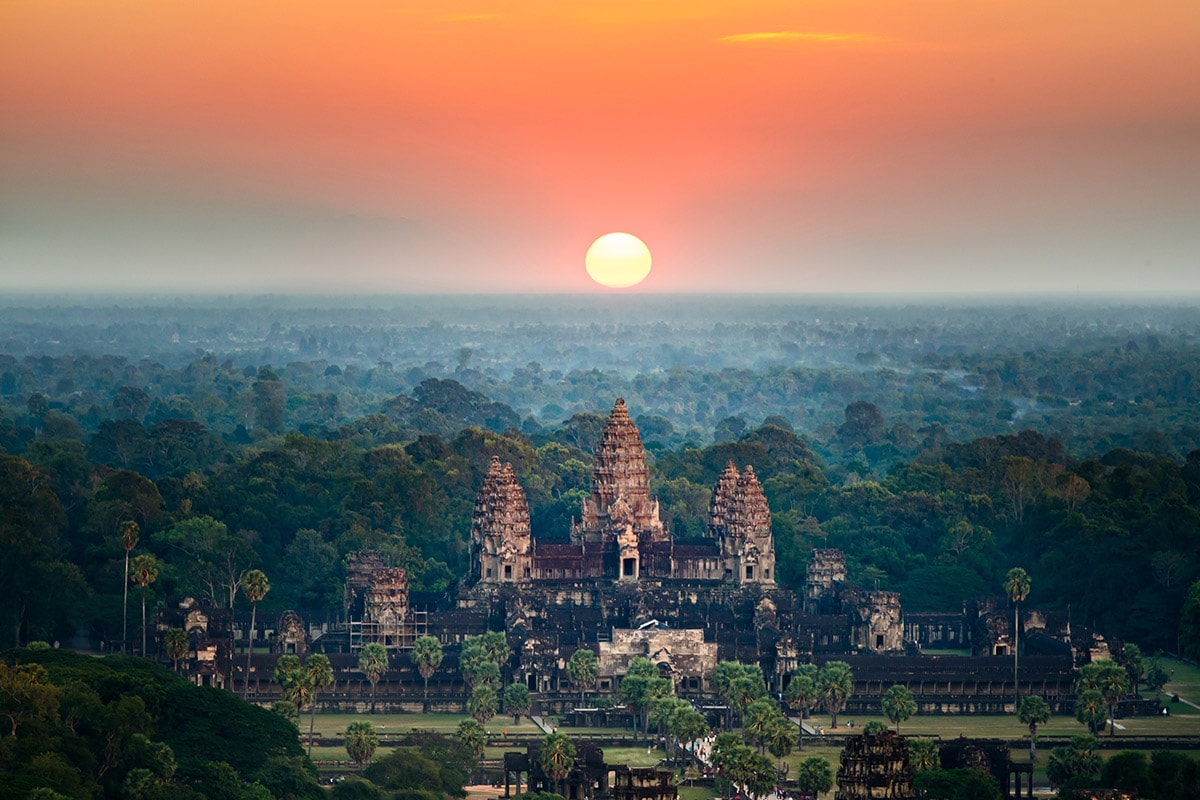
(500, 541)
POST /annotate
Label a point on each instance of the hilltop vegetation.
(124, 727)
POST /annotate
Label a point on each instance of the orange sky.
(371, 145)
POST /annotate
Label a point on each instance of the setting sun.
(618, 260)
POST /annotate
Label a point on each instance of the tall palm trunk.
(250, 652)
(1016, 648)
(312, 721)
(125, 608)
(144, 622)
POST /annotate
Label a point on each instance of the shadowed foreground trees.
(117, 727)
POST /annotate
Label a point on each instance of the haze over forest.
(937, 444)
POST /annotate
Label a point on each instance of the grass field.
(1185, 681)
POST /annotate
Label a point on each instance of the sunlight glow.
(618, 260)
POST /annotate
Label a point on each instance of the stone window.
(749, 573)
(628, 566)
(879, 641)
(508, 571)
(489, 572)
(766, 574)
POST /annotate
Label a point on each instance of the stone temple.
(618, 583)
(619, 537)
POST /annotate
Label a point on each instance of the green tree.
(1079, 758)
(1016, 586)
(26, 695)
(640, 686)
(255, 586)
(483, 704)
(756, 719)
(301, 682)
(1130, 770)
(1189, 623)
(1135, 666)
(557, 757)
(801, 695)
(780, 738)
(176, 645)
(814, 777)
(1034, 711)
(923, 755)
(373, 662)
(1108, 678)
(471, 735)
(583, 669)
(1156, 676)
(1089, 709)
(320, 675)
(516, 701)
(835, 684)
(145, 572)
(687, 724)
(129, 538)
(361, 741)
(898, 705)
(426, 653)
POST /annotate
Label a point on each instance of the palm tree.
(800, 695)
(1016, 586)
(557, 757)
(1034, 711)
(145, 572)
(1089, 708)
(483, 703)
(129, 540)
(898, 704)
(923, 755)
(516, 701)
(301, 682)
(426, 653)
(320, 675)
(472, 737)
(373, 662)
(361, 741)
(583, 670)
(177, 645)
(835, 684)
(255, 586)
(815, 776)
(780, 738)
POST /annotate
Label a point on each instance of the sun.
(618, 260)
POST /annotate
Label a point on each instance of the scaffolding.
(392, 635)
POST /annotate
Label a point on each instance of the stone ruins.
(621, 585)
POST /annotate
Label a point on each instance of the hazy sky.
(393, 146)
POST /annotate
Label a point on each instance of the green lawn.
(334, 725)
(1009, 727)
(1185, 681)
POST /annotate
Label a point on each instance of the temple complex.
(619, 537)
(618, 583)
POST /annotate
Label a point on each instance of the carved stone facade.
(681, 655)
(823, 580)
(876, 624)
(376, 602)
(875, 767)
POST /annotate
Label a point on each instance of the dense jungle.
(938, 444)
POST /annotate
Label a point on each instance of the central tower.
(620, 504)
